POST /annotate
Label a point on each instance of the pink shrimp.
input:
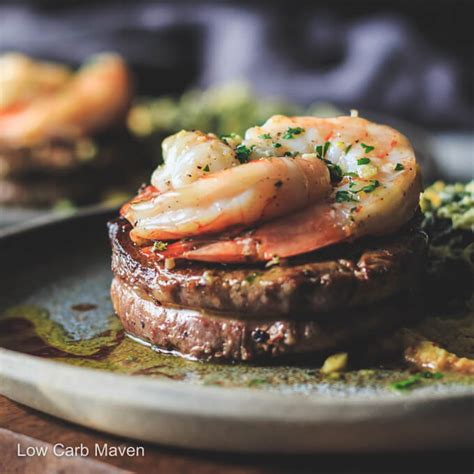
(375, 190)
(98, 94)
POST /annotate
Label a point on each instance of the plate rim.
(389, 399)
(236, 419)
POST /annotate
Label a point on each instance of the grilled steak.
(203, 335)
(336, 279)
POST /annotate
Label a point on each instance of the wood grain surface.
(22, 426)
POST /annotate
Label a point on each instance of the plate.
(63, 352)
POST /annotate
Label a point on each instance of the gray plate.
(48, 271)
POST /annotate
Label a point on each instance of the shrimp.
(237, 196)
(23, 79)
(97, 95)
(190, 156)
(374, 190)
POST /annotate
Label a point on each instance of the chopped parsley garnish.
(276, 145)
(243, 153)
(406, 383)
(415, 380)
(351, 196)
(206, 169)
(291, 132)
(345, 196)
(363, 161)
(159, 246)
(348, 149)
(291, 154)
(351, 174)
(279, 183)
(335, 171)
(367, 148)
(265, 136)
(230, 136)
(321, 150)
(370, 187)
(374, 183)
(399, 167)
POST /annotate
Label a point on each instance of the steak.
(331, 281)
(200, 334)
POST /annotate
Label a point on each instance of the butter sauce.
(29, 329)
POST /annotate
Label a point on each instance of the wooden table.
(22, 427)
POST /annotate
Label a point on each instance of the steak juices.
(296, 239)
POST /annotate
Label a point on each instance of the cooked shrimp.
(378, 193)
(23, 79)
(240, 196)
(94, 98)
(189, 156)
(375, 190)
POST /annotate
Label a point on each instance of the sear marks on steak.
(203, 335)
(335, 279)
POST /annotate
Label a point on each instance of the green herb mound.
(449, 222)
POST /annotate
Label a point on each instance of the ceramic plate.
(63, 352)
